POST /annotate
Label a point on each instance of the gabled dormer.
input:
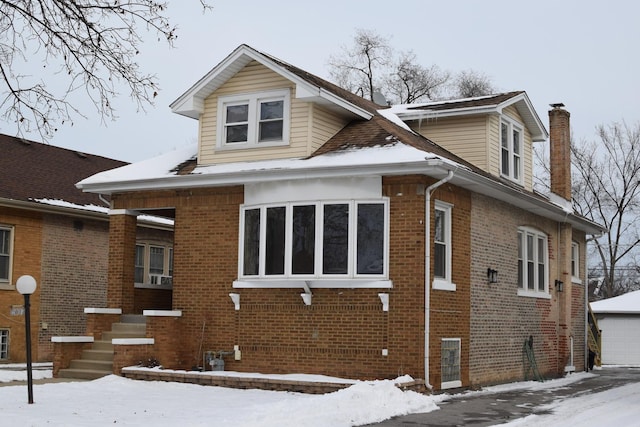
(495, 133)
(252, 106)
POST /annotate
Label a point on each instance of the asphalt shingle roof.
(32, 170)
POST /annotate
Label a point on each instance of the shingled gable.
(32, 170)
(479, 105)
(308, 87)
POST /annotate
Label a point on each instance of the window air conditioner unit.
(160, 279)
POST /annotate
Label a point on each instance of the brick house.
(301, 218)
(53, 231)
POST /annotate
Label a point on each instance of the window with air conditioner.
(153, 264)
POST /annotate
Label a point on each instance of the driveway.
(481, 410)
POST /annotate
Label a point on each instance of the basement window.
(4, 344)
(450, 363)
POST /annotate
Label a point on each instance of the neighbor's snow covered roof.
(628, 303)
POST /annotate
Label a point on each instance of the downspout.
(427, 265)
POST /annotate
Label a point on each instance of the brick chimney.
(560, 151)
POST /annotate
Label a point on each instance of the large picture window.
(6, 240)
(532, 263)
(253, 120)
(511, 146)
(315, 240)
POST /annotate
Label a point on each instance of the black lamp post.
(26, 285)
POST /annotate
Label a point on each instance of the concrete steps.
(98, 361)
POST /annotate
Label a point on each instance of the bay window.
(338, 239)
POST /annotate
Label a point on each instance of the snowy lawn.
(115, 400)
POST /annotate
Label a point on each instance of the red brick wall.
(27, 256)
(344, 331)
(450, 311)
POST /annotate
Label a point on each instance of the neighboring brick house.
(300, 230)
(54, 232)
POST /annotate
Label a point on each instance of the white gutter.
(427, 266)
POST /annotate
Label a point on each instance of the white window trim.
(147, 265)
(253, 100)
(535, 293)
(457, 383)
(317, 280)
(7, 283)
(445, 283)
(512, 125)
(575, 252)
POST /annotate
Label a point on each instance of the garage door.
(620, 339)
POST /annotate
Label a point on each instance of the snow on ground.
(120, 401)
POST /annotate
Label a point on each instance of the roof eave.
(191, 103)
(434, 167)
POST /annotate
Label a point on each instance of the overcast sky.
(583, 53)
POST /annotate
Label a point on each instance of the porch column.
(122, 251)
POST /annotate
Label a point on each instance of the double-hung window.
(6, 239)
(442, 247)
(532, 263)
(511, 148)
(330, 240)
(254, 120)
(575, 262)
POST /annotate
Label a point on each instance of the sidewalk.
(482, 410)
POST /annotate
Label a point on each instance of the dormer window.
(253, 120)
(511, 150)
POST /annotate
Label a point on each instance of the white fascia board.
(427, 114)
(191, 103)
(540, 133)
(488, 187)
(257, 176)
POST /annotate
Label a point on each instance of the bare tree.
(80, 45)
(372, 66)
(470, 84)
(362, 67)
(410, 82)
(606, 189)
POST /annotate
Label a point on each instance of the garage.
(619, 320)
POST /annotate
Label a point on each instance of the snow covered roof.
(628, 303)
(479, 105)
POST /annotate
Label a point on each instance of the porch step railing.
(594, 339)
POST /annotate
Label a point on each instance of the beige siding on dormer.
(325, 124)
(464, 136)
(310, 125)
(477, 139)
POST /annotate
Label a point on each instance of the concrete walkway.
(490, 409)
